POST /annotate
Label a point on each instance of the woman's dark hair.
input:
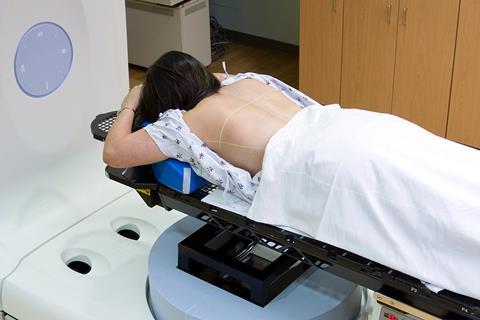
(175, 81)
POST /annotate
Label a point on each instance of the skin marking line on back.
(220, 140)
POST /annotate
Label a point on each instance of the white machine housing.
(56, 205)
(158, 26)
(48, 156)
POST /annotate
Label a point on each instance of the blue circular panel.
(43, 59)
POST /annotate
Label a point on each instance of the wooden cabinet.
(464, 115)
(418, 59)
(321, 49)
(424, 62)
(369, 40)
(398, 58)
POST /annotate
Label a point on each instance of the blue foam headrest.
(177, 175)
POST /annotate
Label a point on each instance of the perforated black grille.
(102, 124)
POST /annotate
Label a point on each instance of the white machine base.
(174, 294)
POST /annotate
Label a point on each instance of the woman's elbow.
(111, 157)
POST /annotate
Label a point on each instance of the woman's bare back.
(239, 120)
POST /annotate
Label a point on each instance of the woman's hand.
(132, 99)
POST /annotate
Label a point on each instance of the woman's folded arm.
(124, 148)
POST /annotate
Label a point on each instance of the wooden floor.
(241, 57)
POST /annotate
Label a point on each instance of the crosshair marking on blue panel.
(43, 59)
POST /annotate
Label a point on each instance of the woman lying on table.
(370, 183)
(220, 124)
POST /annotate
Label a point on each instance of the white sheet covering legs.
(380, 187)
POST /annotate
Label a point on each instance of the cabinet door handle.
(389, 13)
(405, 10)
(334, 6)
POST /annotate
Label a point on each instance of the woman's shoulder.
(230, 79)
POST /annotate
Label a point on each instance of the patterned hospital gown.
(175, 140)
